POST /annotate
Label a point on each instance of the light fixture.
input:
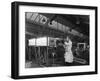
(43, 20)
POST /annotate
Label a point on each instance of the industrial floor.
(51, 63)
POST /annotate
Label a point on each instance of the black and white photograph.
(54, 40)
(51, 40)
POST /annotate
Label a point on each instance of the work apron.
(68, 53)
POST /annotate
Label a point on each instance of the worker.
(60, 52)
(68, 56)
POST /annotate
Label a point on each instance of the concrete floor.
(51, 63)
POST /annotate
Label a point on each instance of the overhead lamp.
(53, 18)
(43, 20)
(50, 23)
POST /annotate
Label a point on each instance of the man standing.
(68, 56)
(60, 51)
